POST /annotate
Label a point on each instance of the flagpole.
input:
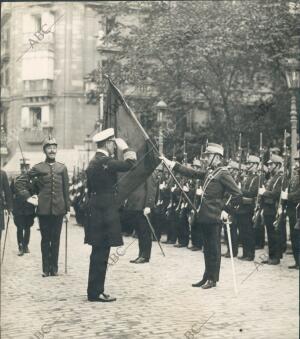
(148, 139)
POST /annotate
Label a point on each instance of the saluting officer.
(23, 212)
(217, 180)
(51, 185)
(103, 227)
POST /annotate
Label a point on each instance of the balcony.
(38, 88)
(34, 136)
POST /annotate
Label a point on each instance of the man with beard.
(103, 227)
(217, 181)
(51, 188)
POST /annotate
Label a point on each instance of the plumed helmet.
(49, 141)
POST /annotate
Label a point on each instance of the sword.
(7, 223)
(66, 247)
(227, 223)
(153, 232)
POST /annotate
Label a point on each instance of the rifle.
(184, 152)
(192, 213)
(257, 218)
(240, 150)
(282, 205)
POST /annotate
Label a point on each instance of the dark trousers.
(158, 221)
(234, 237)
(212, 250)
(273, 237)
(283, 236)
(196, 236)
(260, 236)
(245, 225)
(97, 271)
(172, 226)
(50, 227)
(295, 235)
(183, 229)
(23, 224)
(144, 234)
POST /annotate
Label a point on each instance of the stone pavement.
(154, 300)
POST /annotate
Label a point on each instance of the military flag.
(117, 114)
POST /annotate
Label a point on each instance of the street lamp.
(88, 146)
(292, 73)
(161, 108)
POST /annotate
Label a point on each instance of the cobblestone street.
(154, 300)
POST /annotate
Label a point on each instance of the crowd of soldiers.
(187, 202)
(264, 215)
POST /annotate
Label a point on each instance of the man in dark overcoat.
(103, 227)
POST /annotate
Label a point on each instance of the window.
(37, 22)
(110, 23)
(36, 116)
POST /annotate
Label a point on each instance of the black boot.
(200, 283)
(21, 250)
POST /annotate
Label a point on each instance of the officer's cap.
(233, 164)
(214, 149)
(253, 159)
(49, 141)
(275, 150)
(106, 134)
(276, 159)
(197, 162)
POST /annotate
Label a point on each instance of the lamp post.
(88, 146)
(161, 107)
(292, 73)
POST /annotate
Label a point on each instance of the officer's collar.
(50, 161)
(104, 151)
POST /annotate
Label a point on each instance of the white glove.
(239, 185)
(67, 216)
(121, 144)
(284, 195)
(199, 191)
(261, 190)
(185, 188)
(173, 188)
(168, 162)
(147, 210)
(161, 186)
(34, 200)
(224, 215)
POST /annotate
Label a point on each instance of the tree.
(212, 50)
